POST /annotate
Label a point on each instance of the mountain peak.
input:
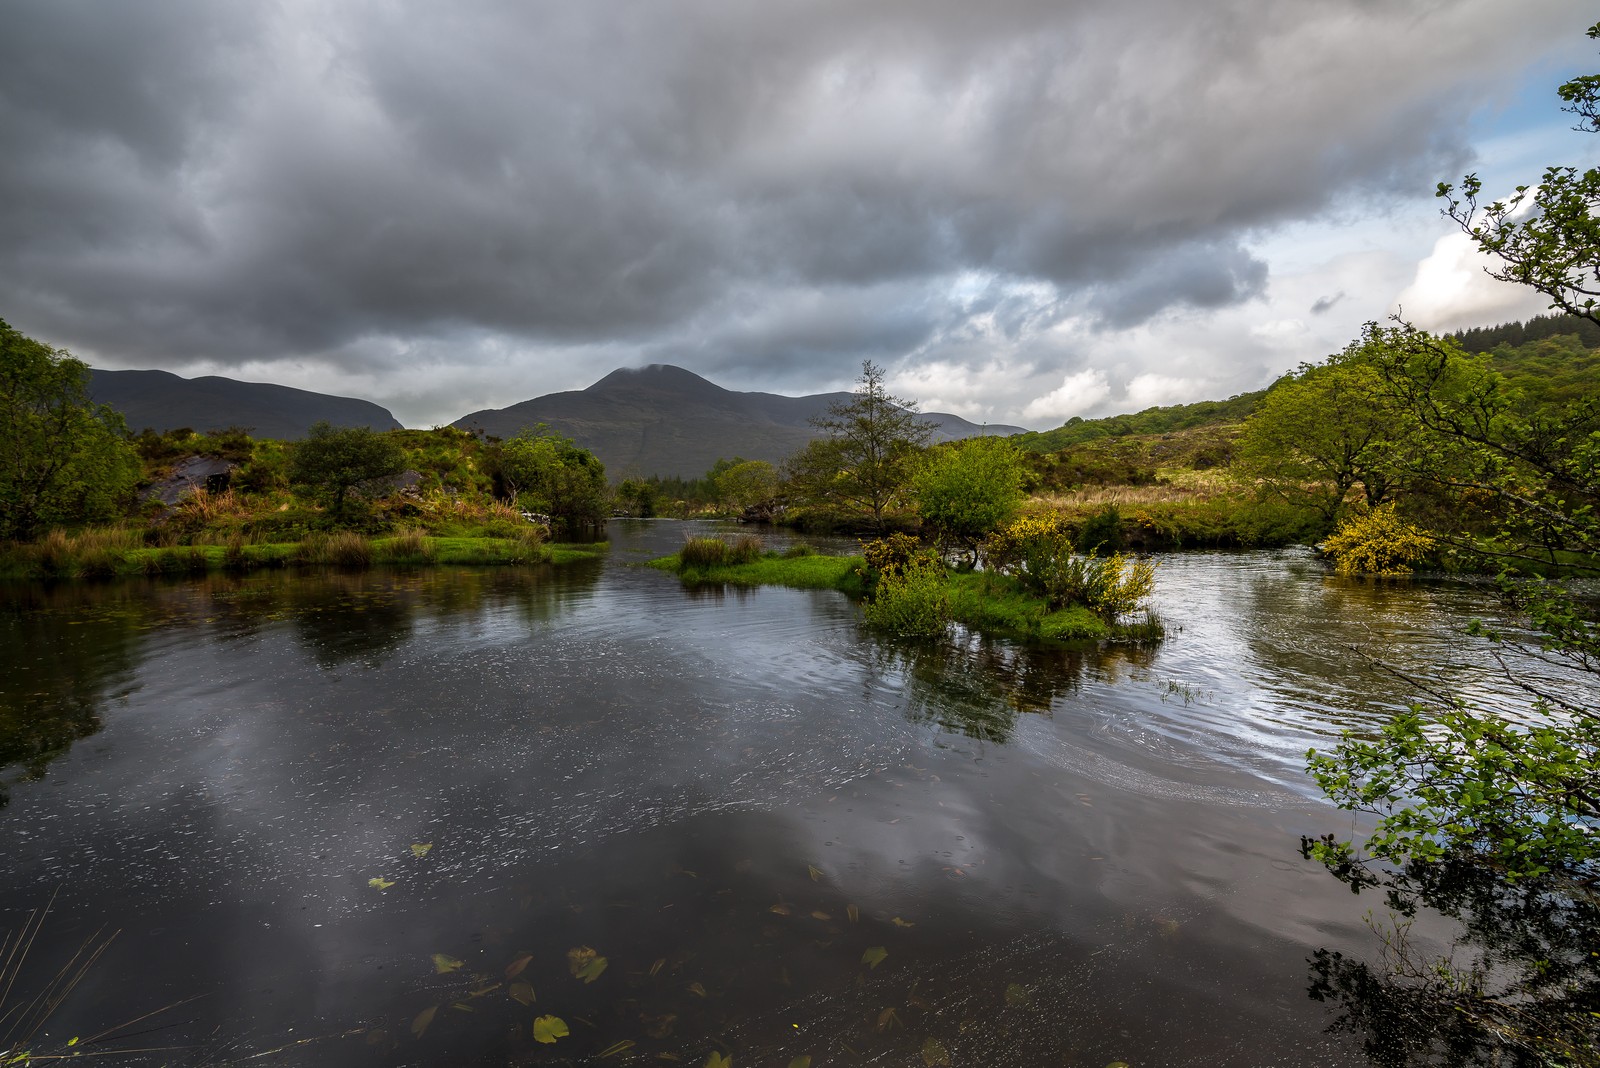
(655, 377)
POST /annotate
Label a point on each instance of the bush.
(895, 552)
(1036, 551)
(1377, 542)
(913, 600)
(1103, 530)
(799, 549)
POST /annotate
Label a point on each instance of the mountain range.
(655, 420)
(664, 420)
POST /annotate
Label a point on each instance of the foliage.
(63, 458)
(549, 474)
(1037, 552)
(894, 551)
(638, 497)
(1538, 328)
(747, 484)
(1321, 433)
(1377, 542)
(966, 489)
(336, 460)
(866, 459)
(912, 600)
(1510, 802)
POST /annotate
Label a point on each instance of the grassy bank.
(121, 553)
(990, 604)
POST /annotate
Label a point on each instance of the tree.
(867, 455)
(335, 460)
(63, 458)
(1321, 433)
(1488, 818)
(550, 474)
(967, 489)
(749, 484)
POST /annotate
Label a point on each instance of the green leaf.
(379, 883)
(717, 1060)
(801, 1062)
(442, 964)
(547, 1029)
(521, 992)
(934, 1053)
(420, 849)
(424, 1018)
(874, 956)
(592, 970)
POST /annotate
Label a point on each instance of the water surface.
(739, 798)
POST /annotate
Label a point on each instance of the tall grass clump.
(702, 553)
(413, 544)
(349, 549)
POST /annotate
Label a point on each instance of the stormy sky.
(1025, 210)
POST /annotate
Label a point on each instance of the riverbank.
(110, 555)
(991, 604)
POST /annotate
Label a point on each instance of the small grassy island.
(1031, 585)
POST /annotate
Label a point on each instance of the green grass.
(28, 562)
(990, 604)
(775, 569)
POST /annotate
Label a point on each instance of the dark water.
(737, 798)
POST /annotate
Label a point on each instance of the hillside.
(1151, 421)
(664, 420)
(161, 401)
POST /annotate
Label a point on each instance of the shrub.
(1101, 531)
(895, 552)
(1036, 551)
(1377, 541)
(913, 600)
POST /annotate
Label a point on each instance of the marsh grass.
(24, 1015)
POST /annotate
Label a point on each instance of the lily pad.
(547, 1029)
(522, 992)
(874, 956)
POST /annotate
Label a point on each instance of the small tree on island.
(868, 453)
(335, 460)
(967, 489)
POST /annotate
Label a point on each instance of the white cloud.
(1451, 290)
(1150, 390)
(1078, 393)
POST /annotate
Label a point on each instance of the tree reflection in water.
(1520, 987)
(978, 686)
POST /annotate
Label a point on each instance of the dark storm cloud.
(1322, 304)
(247, 182)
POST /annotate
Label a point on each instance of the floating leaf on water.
(800, 1062)
(717, 1060)
(593, 970)
(898, 922)
(815, 873)
(482, 990)
(442, 964)
(818, 914)
(697, 990)
(656, 967)
(579, 958)
(660, 1026)
(71, 1042)
(380, 883)
(518, 966)
(424, 1018)
(668, 1057)
(874, 956)
(522, 992)
(1117, 1064)
(853, 912)
(888, 1019)
(780, 908)
(1017, 996)
(463, 1006)
(933, 1052)
(547, 1029)
(420, 849)
(618, 1047)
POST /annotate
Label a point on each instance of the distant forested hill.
(161, 401)
(1166, 420)
(1490, 338)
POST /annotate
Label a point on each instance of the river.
(368, 818)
